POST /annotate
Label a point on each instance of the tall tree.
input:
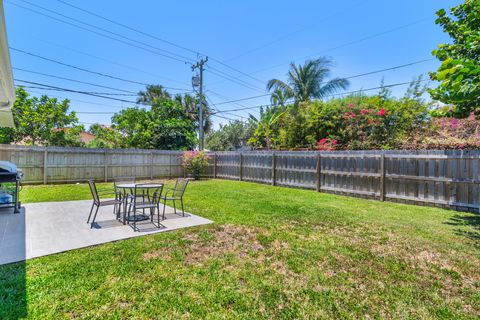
(190, 105)
(459, 73)
(231, 136)
(152, 93)
(165, 126)
(279, 98)
(105, 137)
(265, 126)
(309, 81)
(42, 121)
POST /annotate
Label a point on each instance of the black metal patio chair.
(122, 194)
(146, 196)
(98, 202)
(175, 194)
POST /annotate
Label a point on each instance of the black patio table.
(128, 191)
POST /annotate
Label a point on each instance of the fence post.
(45, 166)
(241, 166)
(170, 166)
(274, 166)
(382, 177)
(319, 172)
(105, 165)
(214, 165)
(151, 165)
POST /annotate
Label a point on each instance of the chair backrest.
(151, 191)
(180, 187)
(122, 180)
(93, 190)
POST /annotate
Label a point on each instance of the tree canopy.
(459, 73)
(165, 126)
(42, 121)
(308, 81)
(231, 136)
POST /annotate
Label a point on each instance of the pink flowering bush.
(325, 144)
(447, 133)
(195, 163)
(365, 127)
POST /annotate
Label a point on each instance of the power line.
(85, 92)
(389, 69)
(237, 70)
(128, 27)
(349, 77)
(88, 83)
(129, 67)
(331, 95)
(72, 80)
(156, 38)
(225, 98)
(74, 91)
(72, 100)
(278, 39)
(352, 42)
(129, 39)
(226, 118)
(181, 59)
(214, 106)
(249, 98)
(236, 80)
(75, 67)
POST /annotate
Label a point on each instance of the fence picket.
(437, 178)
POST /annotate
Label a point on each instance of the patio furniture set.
(134, 201)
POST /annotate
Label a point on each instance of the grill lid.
(6, 166)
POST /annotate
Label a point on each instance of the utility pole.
(199, 65)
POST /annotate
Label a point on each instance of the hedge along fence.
(436, 178)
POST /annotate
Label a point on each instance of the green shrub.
(195, 163)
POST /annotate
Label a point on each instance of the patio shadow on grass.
(472, 221)
(13, 294)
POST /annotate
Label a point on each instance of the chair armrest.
(168, 190)
(106, 193)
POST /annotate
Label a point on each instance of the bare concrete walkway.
(51, 227)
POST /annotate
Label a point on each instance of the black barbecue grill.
(10, 178)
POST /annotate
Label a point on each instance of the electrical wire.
(73, 91)
(126, 66)
(351, 43)
(88, 83)
(73, 80)
(157, 38)
(331, 95)
(348, 77)
(145, 47)
(226, 77)
(82, 69)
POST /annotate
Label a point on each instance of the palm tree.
(265, 123)
(279, 98)
(190, 105)
(152, 93)
(308, 81)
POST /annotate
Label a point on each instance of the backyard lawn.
(272, 253)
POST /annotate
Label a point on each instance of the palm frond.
(333, 86)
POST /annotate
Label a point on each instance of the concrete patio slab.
(51, 227)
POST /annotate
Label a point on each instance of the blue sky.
(257, 38)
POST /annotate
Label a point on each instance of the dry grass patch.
(240, 241)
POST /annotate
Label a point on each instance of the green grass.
(271, 253)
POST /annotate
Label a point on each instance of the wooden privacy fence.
(63, 165)
(437, 178)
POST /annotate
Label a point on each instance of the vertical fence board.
(438, 178)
